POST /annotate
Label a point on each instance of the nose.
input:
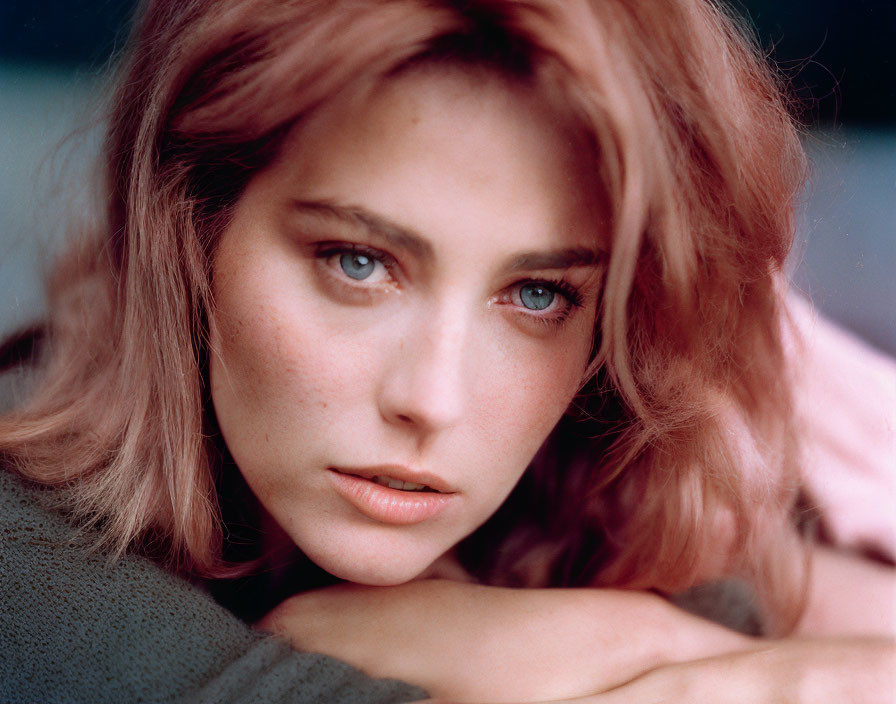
(428, 380)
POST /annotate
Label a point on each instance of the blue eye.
(357, 266)
(536, 296)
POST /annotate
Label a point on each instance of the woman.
(370, 267)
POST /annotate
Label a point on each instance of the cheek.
(268, 369)
(543, 377)
(254, 358)
(526, 395)
(282, 370)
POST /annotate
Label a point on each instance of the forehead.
(442, 150)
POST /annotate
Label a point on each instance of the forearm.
(476, 643)
(798, 671)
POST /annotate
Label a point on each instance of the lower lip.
(387, 505)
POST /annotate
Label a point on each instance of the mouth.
(380, 495)
(399, 478)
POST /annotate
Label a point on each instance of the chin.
(371, 569)
(376, 575)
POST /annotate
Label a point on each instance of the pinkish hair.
(682, 433)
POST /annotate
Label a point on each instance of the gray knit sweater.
(76, 629)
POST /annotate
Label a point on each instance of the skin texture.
(432, 362)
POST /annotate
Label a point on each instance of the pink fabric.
(846, 401)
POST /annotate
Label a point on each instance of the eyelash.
(571, 295)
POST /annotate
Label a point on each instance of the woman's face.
(405, 304)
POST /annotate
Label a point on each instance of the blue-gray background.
(837, 54)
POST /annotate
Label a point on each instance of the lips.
(393, 495)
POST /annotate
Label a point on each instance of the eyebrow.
(555, 259)
(397, 236)
(382, 229)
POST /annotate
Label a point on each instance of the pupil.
(536, 297)
(357, 266)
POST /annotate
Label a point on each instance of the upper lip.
(395, 471)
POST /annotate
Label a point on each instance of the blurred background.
(838, 56)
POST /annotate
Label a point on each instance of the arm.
(471, 643)
(474, 643)
(829, 671)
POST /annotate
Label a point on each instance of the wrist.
(684, 636)
(636, 632)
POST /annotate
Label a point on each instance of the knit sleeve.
(76, 628)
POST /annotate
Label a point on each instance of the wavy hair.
(680, 445)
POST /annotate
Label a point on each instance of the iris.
(357, 266)
(536, 296)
